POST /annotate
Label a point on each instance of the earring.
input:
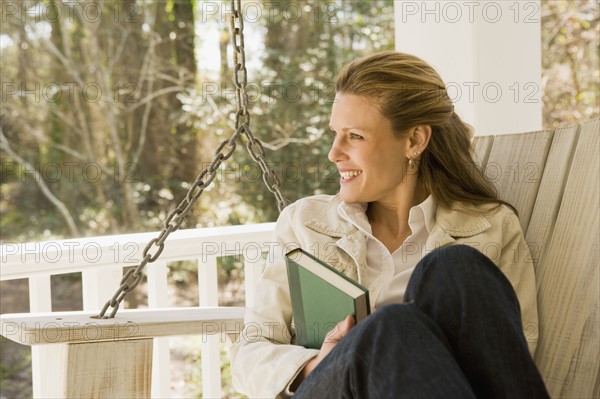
(411, 161)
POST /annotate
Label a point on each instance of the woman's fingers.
(331, 339)
(340, 330)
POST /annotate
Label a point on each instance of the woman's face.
(370, 157)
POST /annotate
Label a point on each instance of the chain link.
(270, 179)
(175, 218)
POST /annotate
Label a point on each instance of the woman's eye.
(355, 136)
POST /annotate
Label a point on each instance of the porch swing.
(551, 176)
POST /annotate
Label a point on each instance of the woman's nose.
(336, 153)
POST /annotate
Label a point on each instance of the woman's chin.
(349, 198)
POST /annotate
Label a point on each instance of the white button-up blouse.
(388, 273)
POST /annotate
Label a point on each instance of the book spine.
(360, 306)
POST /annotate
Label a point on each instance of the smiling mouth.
(350, 174)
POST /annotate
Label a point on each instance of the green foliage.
(570, 61)
(290, 100)
(183, 272)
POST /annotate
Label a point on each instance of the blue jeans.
(458, 335)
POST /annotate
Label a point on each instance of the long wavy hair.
(409, 92)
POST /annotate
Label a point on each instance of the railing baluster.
(157, 298)
(96, 283)
(40, 300)
(211, 354)
(253, 268)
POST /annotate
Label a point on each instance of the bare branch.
(145, 117)
(64, 61)
(63, 117)
(41, 184)
(120, 50)
(219, 112)
(154, 95)
(284, 141)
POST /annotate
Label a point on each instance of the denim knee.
(458, 261)
(457, 271)
(459, 256)
(399, 323)
(383, 318)
(391, 319)
(388, 313)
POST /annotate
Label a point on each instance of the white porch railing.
(101, 261)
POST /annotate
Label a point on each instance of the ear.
(418, 139)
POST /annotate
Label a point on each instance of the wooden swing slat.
(482, 145)
(550, 192)
(80, 327)
(568, 276)
(515, 166)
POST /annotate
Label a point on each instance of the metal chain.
(132, 277)
(242, 117)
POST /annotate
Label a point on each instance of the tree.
(89, 128)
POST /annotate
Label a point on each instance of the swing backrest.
(552, 178)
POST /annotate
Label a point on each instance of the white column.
(487, 52)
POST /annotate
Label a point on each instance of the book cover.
(321, 297)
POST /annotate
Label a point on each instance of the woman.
(417, 224)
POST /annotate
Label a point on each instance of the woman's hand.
(334, 336)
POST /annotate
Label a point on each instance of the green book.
(321, 297)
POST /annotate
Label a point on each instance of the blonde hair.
(409, 92)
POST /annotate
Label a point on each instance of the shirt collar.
(428, 207)
(355, 213)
